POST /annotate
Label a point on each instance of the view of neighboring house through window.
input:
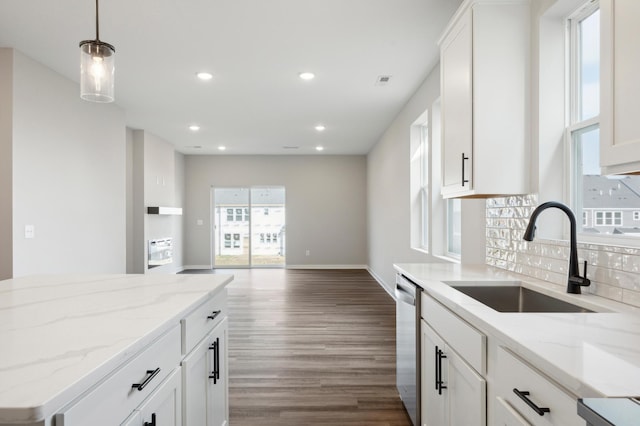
(608, 204)
(249, 226)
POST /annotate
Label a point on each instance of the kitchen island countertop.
(59, 334)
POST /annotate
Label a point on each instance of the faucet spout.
(574, 281)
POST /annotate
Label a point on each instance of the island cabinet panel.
(162, 408)
(116, 397)
(205, 380)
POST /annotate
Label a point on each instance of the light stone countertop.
(60, 334)
(591, 354)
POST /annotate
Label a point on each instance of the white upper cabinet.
(620, 86)
(484, 57)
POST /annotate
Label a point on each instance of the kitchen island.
(63, 335)
(568, 355)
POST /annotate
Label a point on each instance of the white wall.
(6, 164)
(156, 178)
(388, 199)
(68, 176)
(325, 204)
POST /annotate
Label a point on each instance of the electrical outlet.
(29, 231)
(308, 252)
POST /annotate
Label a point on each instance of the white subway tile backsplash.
(614, 270)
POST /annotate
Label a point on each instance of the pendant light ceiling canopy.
(97, 68)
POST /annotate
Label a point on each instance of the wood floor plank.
(311, 347)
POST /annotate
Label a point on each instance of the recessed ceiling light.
(204, 75)
(194, 127)
(320, 128)
(319, 148)
(307, 75)
(222, 148)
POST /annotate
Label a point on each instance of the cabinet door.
(164, 405)
(466, 391)
(620, 66)
(195, 383)
(457, 119)
(218, 388)
(433, 404)
(205, 380)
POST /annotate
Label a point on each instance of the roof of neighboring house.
(603, 192)
(625, 231)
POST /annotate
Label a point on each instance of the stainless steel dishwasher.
(408, 345)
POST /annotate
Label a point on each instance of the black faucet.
(575, 281)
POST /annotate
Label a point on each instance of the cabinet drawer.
(513, 373)
(115, 398)
(459, 335)
(202, 320)
(505, 415)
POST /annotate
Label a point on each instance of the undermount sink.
(515, 298)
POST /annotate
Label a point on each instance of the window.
(584, 218)
(419, 182)
(454, 228)
(604, 218)
(602, 197)
(229, 215)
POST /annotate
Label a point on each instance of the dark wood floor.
(311, 347)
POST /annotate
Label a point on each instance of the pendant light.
(96, 68)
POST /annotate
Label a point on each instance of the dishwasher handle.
(403, 295)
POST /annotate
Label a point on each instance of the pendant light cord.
(97, 23)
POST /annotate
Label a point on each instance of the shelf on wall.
(164, 210)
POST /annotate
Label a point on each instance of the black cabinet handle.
(440, 381)
(213, 315)
(523, 396)
(463, 160)
(437, 367)
(152, 374)
(152, 422)
(215, 374)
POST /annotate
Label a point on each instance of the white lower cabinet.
(163, 407)
(531, 397)
(506, 415)
(453, 393)
(205, 380)
(178, 379)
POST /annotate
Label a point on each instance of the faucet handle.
(585, 269)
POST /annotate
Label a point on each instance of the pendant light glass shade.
(97, 71)
(97, 68)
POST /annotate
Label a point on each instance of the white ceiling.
(255, 104)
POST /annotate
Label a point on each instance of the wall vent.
(383, 80)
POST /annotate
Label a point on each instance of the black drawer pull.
(463, 160)
(440, 381)
(152, 374)
(523, 396)
(214, 314)
(152, 422)
(215, 374)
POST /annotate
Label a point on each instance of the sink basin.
(515, 298)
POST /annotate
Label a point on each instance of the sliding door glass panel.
(231, 238)
(268, 226)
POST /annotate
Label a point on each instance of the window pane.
(613, 201)
(454, 227)
(589, 66)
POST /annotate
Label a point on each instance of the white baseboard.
(382, 284)
(326, 267)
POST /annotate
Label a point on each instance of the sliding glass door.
(249, 227)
